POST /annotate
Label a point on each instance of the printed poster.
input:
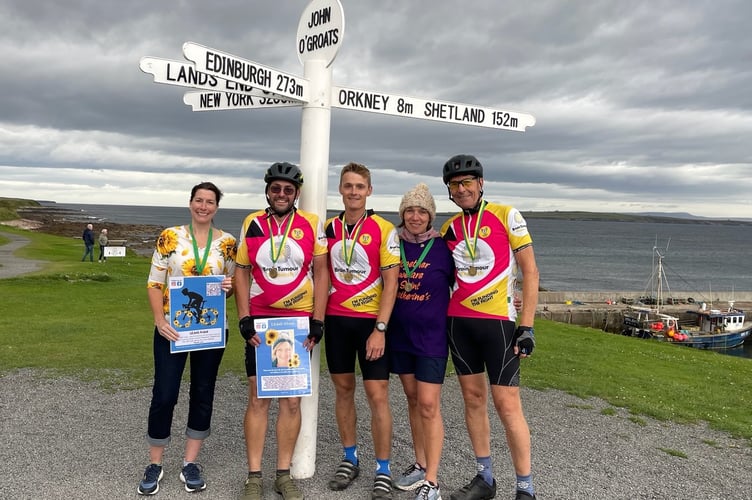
(283, 366)
(197, 312)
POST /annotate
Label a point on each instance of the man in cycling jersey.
(490, 244)
(281, 272)
(364, 257)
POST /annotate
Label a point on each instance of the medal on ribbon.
(276, 251)
(200, 263)
(346, 236)
(472, 246)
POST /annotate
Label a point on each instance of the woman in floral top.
(196, 249)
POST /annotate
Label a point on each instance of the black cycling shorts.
(479, 344)
(344, 339)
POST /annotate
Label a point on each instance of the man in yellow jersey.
(490, 244)
(364, 266)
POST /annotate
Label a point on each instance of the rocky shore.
(61, 222)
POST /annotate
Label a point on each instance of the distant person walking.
(102, 243)
(88, 238)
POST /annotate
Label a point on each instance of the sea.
(572, 255)
(700, 260)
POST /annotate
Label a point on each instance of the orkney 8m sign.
(430, 109)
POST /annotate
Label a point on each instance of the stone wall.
(603, 297)
(605, 310)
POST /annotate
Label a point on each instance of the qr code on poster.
(213, 289)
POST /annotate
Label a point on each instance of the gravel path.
(10, 265)
(63, 438)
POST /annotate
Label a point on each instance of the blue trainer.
(191, 476)
(411, 479)
(149, 485)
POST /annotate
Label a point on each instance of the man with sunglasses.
(283, 253)
(490, 245)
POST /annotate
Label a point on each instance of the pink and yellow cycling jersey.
(356, 257)
(280, 256)
(485, 267)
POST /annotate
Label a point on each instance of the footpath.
(10, 265)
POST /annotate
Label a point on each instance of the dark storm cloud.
(632, 99)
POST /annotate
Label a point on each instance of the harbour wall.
(605, 310)
(547, 297)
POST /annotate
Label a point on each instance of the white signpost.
(237, 83)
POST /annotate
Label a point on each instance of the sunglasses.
(276, 189)
(466, 183)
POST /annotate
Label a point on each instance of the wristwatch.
(381, 326)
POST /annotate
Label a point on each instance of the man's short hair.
(356, 168)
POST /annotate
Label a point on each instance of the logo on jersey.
(365, 239)
(484, 232)
(297, 234)
(519, 226)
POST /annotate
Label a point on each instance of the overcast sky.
(639, 105)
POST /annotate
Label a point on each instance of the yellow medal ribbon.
(471, 248)
(275, 253)
(348, 256)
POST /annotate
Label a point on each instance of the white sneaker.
(427, 491)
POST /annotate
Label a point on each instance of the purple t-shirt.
(418, 321)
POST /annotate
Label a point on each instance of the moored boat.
(716, 329)
(701, 328)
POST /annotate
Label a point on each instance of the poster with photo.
(197, 312)
(283, 366)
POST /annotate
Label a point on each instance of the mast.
(659, 296)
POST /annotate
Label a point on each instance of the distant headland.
(9, 210)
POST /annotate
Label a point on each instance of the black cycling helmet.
(462, 164)
(285, 172)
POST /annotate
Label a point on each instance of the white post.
(314, 162)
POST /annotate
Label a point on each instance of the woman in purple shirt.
(417, 337)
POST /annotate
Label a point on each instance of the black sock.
(283, 472)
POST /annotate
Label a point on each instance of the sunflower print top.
(173, 256)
